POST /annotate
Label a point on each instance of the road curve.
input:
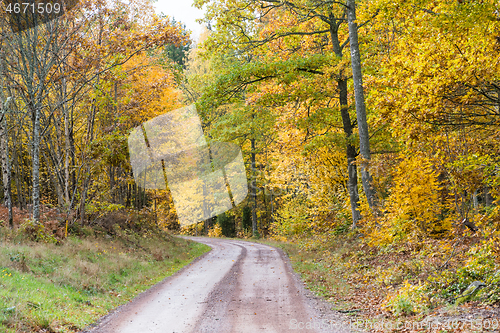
(239, 287)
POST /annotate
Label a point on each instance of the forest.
(369, 130)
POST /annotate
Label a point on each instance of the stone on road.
(239, 287)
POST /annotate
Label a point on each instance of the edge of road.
(142, 297)
(318, 303)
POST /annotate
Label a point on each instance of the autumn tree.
(431, 72)
(364, 138)
(294, 41)
(30, 57)
(55, 72)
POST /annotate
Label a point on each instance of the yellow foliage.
(246, 234)
(409, 299)
(192, 229)
(150, 90)
(413, 206)
(215, 231)
(319, 202)
(291, 219)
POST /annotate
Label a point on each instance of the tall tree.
(4, 155)
(364, 138)
(277, 35)
(31, 56)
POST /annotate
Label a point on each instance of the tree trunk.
(136, 197)
(36, 164)
(72, 154)
(53, 176)
(364, 142)
(83, 199)
(272, 208)
(488, 200)
(352, 171)
(475, 200)
(18, 179)
(4, 153)
(111, 174)
(254, 190)
(59, 174)
(67, 149)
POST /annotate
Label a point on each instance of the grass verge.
(66, 287)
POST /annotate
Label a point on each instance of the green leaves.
(231, 85)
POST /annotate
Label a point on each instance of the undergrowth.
(65, 286)
(405, 281)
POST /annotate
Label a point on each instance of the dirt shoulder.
(361, 282)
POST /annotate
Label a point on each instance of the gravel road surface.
(239, 287)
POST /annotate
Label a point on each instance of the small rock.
(471, 290)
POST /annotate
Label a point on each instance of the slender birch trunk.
(36, 164)
(4, 153)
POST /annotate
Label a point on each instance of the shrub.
(479, 266)
(215, 231)
(413, 206)
(491, 294)
(37, 232)
(192, 229)
(407, 300)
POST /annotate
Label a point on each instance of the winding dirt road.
(239, 287)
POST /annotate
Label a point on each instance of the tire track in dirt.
(239, 287)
